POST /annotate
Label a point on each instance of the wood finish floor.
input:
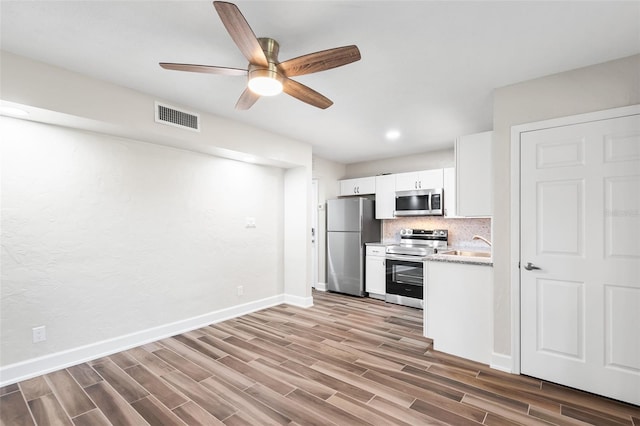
(346, 361)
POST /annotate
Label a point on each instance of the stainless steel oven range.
(405, 265)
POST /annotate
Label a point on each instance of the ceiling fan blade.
(305, 94)
(241, 32)
(247, 99)
(207, 69)
(320, 61)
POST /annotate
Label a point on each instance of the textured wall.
(598, 87)
(103, 236)
(327, 173)
(409, 163)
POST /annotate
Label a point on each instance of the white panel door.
(580, 225)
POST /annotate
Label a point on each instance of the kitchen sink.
(466, 253)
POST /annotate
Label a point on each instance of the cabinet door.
(473, 175)
(375, 275)
(358, 186)
(385, 196)
(426, 179)
(429, 179)
(367, 185)
(449, 187)
(458, 309)
(406, 181)
(348, 187)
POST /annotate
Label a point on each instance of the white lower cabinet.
(375, 271)
(458, 309)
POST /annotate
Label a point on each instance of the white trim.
(501, 362)
(315, 259)
(516, 131)
(42, 365)
(321, 286)
(299, 301)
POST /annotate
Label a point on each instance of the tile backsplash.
(461, 231)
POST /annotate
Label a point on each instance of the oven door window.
(400, 272)
(404, 278)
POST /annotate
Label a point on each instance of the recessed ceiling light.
(13, 111)
(393, 135)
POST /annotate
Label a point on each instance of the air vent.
(166, 114)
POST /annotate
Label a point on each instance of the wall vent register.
(166, 114)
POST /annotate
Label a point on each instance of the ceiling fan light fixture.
(265, 82)
(265, 86)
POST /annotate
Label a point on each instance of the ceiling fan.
(267, 76)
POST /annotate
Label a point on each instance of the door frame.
(514, 260)
(315, 258)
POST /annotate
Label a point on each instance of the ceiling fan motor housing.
(266, 75)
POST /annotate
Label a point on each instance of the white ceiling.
(428, 68)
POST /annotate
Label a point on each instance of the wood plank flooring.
(345, 361)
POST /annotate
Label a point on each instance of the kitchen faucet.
(478, 237)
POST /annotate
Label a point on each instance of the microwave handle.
(430, 206)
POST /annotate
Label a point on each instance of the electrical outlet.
(240, 290)
(39, 334)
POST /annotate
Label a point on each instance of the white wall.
(603, 86)
(328, 174)
(83, 102)
(297, 232)
(103, 236)
(408, 163)
(176, 207)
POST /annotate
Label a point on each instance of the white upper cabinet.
(359, 186)
(449, 188)
(474, 182)
(385, 196)
(427, 179)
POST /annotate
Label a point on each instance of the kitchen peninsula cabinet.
(458, 309)
(474, 181)
(358, 186)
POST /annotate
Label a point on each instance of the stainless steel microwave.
(420, 202)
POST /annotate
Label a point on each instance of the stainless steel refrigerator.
(351, 223)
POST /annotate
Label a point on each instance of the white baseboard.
(321, 286)
(501, 362)
(301, 302)
(17, 372)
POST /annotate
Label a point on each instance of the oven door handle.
(405, 258)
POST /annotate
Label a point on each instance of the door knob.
(530, 266)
